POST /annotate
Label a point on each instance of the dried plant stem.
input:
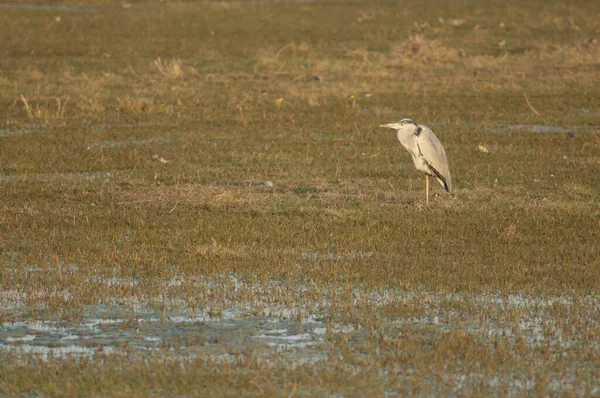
(530, 106)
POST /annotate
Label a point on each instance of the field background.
(224, 159)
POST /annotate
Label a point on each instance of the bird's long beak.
(394, 126)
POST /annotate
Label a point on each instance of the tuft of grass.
(170, 69)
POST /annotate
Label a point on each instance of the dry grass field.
(196, 199)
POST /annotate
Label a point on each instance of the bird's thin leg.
(427, 189)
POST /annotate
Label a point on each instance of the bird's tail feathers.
(442, 181)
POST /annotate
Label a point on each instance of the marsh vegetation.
(195, 198)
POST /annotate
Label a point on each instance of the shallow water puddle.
(312, 255)
(268, 319)
(118, 329)
(537, 128)
(301, 334)
(119, 144)
(49, 177)
(51, 7)
(26, 129)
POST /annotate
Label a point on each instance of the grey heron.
(426, 150)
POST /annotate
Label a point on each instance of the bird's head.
(404, 124)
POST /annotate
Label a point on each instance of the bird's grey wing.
(434, 154)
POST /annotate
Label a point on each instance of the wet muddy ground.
(297, 334)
